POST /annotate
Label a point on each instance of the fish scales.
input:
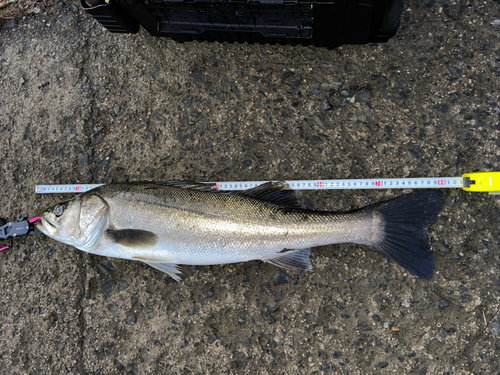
(221, 227)
(165, 225)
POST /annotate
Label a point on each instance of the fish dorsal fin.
(274, 193)
(134, 238)
(189, 185)
(270, 192)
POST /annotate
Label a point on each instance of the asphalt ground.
(79, 104)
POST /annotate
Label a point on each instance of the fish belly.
(207, 240)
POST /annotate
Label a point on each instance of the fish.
(172, 223)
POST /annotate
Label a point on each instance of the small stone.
(122, 285)
(415, 152)
(442, 303)
(465, 298)
(88, 177)
(209, 293)
(84, 161)
(442, 248)
(463, 135)
(318, 121)
(443, 334)
(371, 283)
(376, 318)
(266, 288)
(281, 277)
(131, 319)
(486, 358)
(246, 163)
(325, 104)
(204, 127)
(345, 102)
(364, 94)
(442, 109)
(362, 327)
(495, 328)
(399, 93)
(104, 270)
(112, 307)
(383, 364)
(241, 319)
(155, 70)
(277, 295)
(151, 135)
(345, 92)
(315, 140)
(454, 71)
(107, 287)
(10, 24)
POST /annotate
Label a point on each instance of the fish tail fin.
(405, 241)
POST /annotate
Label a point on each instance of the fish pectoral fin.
(135, 238)
(171, 269)
(292, 260)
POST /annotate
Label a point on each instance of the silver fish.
(167, 224)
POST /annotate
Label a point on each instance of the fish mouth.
(46, 225)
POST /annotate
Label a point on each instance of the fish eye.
(58, 211)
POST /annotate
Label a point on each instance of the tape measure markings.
(379, 183)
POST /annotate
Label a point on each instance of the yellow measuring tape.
(488, 182)
(482, 182)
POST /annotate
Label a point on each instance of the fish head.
(78, 222)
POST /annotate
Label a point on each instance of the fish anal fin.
(134, 238)
(292, 260)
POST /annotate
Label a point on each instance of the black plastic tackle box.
(307, 22)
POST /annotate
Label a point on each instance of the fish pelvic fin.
(134, 238)
(292, 260)
(405, 241)
(170, 269)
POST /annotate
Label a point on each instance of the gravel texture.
(79, 104)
